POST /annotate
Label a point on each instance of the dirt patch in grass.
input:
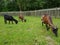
(50, 41)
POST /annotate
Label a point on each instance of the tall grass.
(28, 33)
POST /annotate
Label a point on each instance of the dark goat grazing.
(47, 20)
(22, 18)
(9, 18)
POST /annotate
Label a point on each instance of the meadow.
(28, 33)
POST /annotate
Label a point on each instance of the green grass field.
(29, 33)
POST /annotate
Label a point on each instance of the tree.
(51, 3)
(24, 5)
(12, 6)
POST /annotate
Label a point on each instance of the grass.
(29, 33)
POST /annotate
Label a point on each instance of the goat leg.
(47, 27)
(5, 21)
(9, 22)
(12, 22)
(42, 23)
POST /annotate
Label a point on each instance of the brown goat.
(47, 20)
(22, 18)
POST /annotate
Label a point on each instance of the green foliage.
(16, 5)
(12, 6)
(52, 3)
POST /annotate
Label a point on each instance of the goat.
(47, 20)
(22, 18)
(9, 18)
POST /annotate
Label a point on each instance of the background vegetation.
(17, 5)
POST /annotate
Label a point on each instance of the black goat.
(9, 18)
